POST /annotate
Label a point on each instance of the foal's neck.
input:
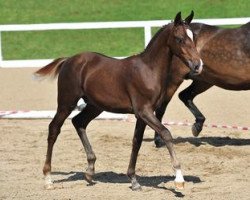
(157, 54)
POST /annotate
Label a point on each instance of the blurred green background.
(112, 42)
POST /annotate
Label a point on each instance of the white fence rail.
(147, 25)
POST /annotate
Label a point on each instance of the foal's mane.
(156, 36)
(159, 32)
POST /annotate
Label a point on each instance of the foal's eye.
(179, 40)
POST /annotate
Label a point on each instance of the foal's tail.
(51, 69)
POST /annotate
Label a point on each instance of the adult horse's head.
(182, 45)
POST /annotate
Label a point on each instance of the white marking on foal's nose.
(190, 34)
(200, 67)
(201, 63)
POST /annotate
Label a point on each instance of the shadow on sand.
(113, 177)
(213, 141)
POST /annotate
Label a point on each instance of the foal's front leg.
(137, 140)
(149, 118)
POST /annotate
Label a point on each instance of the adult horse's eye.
(179, 40)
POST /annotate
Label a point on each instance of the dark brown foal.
(137, 84)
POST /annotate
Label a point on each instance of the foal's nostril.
(198, 67)
(195, 66)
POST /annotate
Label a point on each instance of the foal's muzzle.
(196, 67)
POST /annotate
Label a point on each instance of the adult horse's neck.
(157, 54)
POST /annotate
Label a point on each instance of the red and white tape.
(173, 123)
(9, 114)
(243, 128)
(104, 115)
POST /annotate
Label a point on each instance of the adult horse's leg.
(80, 123)
(137, 140)
(54, 130)
(161, 110)
(159, 114)
(147, 115)
(187, 96)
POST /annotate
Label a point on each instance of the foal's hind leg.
(80, 123)
(187, 97)
(137, 140)
(54, 130)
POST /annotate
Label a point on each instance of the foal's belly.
(108, 94)
(111, 103)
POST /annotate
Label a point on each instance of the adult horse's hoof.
(196, 129)
(179, 185)
(159, 142)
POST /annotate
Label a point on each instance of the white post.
(147, 34)
(1, 56)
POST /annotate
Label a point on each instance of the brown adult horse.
(137, 84)
(226, 57)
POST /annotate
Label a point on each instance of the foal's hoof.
(49, 187)
(48, 182)
(196, 129)
(136, 187)
(89, 178)
(179, 185)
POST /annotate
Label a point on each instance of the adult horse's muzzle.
(196, 67)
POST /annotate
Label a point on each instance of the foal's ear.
(177, 19)
(189, 18)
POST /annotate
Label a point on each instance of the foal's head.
(182, 45)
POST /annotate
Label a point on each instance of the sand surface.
(216, 165)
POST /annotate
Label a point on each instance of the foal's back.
(103, 80)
